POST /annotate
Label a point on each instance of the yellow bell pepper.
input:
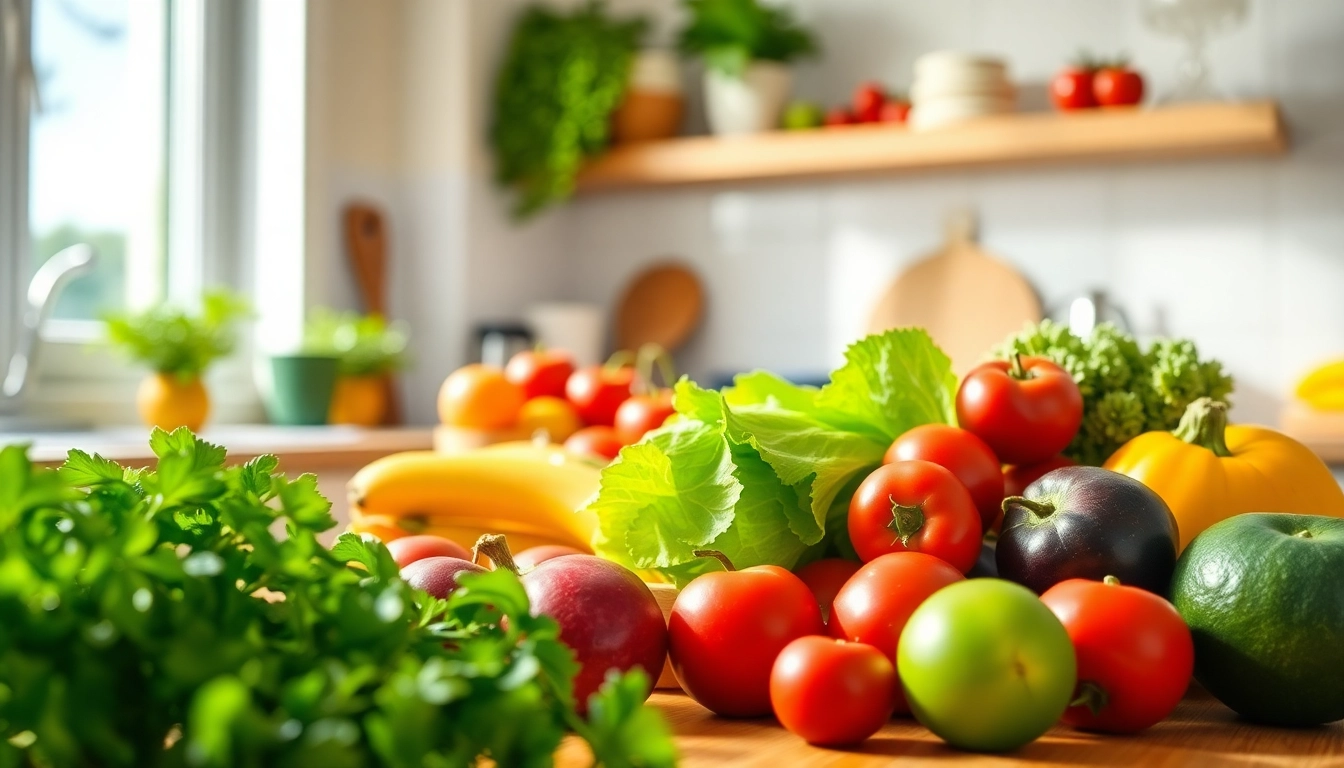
(1208, 471)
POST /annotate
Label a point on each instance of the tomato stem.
(717, 555)
(1016, 370)
(905, 520)
(1092, 696)
(496, 547)
(1205, 424)
(650, 358)
(1041, 509)
(1111, 580)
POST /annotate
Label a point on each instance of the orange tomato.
(552, 414)
(479, 397)
(168, 402)
(360, 400)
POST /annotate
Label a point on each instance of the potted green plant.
(368, 349)
(747, 48)
(177, 347)
(563, 77)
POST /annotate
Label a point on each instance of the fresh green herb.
(730, 34)
(1127, 390)
(367, 345)
(171, 341)
(764, 471)
(153, 618)
(563, 77)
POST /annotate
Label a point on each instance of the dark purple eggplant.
(985, 567)
(1087, 523)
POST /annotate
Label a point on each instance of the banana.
(1323, 388)
(532, 494)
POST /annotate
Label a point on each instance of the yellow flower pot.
(359, 400)
(168, 401)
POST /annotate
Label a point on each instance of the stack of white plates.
(951, 87)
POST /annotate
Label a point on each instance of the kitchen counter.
(1200, 732)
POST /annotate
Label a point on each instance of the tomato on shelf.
(915, 506)
(869, 98)
(1071, 88)
(1117, 85)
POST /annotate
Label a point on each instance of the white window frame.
(216, 128)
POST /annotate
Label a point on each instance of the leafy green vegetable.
(1126, 390)
(169, 340)
(153, 618)
(367, 345)
(563, 77)
(730, 34)
(764, 470)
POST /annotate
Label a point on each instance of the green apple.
(986, 666)
(802, 115)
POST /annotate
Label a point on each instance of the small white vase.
(752, 103)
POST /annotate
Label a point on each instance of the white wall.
(1244, 255)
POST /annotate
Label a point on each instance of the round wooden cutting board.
(967, 299)
(662, 306)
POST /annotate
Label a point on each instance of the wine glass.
(1195, 21)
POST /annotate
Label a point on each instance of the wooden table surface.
(1201, 732)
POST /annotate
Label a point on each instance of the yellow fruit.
(553, 415)
(168, 401)
(1323, 388)
(479, 397)
(359, 400)
(532, 494)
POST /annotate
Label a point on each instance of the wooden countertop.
(1201, 732)
(299, 448)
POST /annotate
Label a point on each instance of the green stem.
(1015, 369)
(1111, 580)
(1041, 509)
(1092, 696)
(1205, 424)
(496, 547)
(906, 521)
(717, 555)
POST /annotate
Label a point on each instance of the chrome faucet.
(45, 287)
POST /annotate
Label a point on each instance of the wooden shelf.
(1102, 135)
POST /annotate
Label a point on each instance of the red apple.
(409, 549)
(438, 575)
(868, 100)
(534, 556)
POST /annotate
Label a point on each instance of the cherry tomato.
(825, 578)
(1027, 409)
(641, 414)
(597, 442)
(868, 100)
(830, 692)
(838, 117)
(1017, 478)
(597, 391)
(479, 397)
(965, 455)
(727, 627)
(895, 111)
(874, 605)
(1072, 89)
(540, 373)
(1135, 654)
(915, 506)
(1117, 86)
(408, 549)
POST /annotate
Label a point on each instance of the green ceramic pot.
(301, 388)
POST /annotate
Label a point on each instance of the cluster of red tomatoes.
(1088, 84)
(836, 648)
(593, 410)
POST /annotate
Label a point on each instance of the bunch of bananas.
(532, 494)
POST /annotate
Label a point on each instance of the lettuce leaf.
(891, 383)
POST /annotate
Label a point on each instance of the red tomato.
(915, 506)
(966, 455)
(641, 414)
(727, 627)
(597, 391)
(840, 116)
(1117, 86)
(540, 373)
(408, 549)
(868, 100)
(1017, 478)
(1135, 654)
(875, 604)
(1027, 409)
(597, 442)
(1072, 89)
(830, 692)
(825, 578)
(895, 111)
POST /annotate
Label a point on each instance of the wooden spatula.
(967, 299)
(366, 240)
(662, 305)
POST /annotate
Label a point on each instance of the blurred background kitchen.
(202, 143)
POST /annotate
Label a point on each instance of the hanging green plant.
(564, 75)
